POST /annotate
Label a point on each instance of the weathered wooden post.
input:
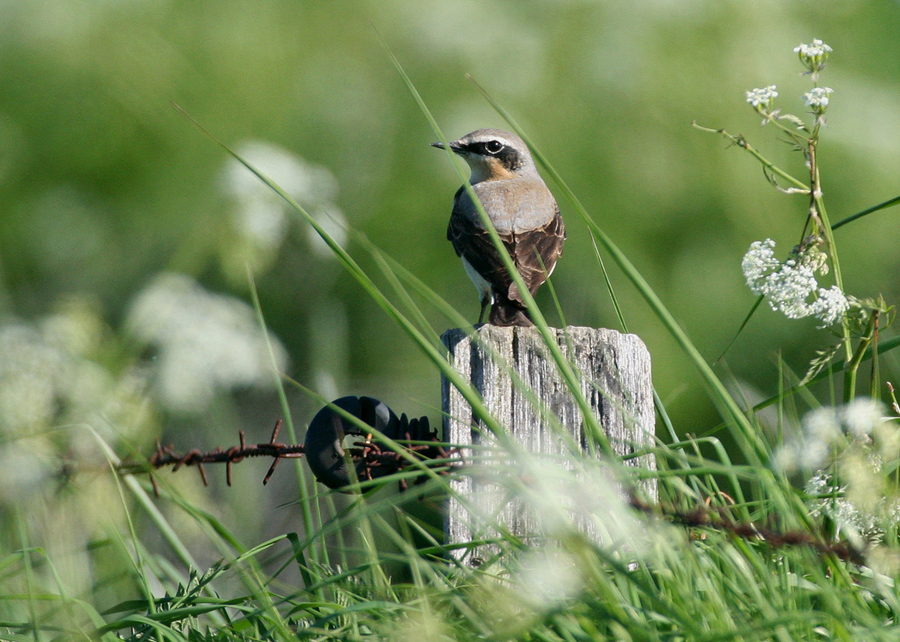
(614, 370)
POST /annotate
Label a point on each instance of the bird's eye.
(493, 146)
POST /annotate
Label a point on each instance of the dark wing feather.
(474, 244)
(534, 252)
(538, 250)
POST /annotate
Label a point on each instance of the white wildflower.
(422, 624)
(812, 455)
(24, 468)
(786, 458)
(820, 430)
(822, 424)
(558, 498)
(564, 503)
(819, 484)
(546, 578)
(32, 372)
(788, 289)
(813, 56)
(857, 525)
(260, 215)
(830, 306)
(817, 98)
(860, 522)
(861, 416)
(816, 260)
(791, 287)
(48, 377)
(207, 343)
(758, 263)
(826, 431)
(761, 98)
(816, 50)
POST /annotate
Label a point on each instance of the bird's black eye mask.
(507, 156)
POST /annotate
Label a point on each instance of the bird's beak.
(454, 147)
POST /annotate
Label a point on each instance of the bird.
(522, 210)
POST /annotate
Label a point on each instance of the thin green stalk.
(657, 400)
(740, 329)
(319, 554)
(740, 141)
(881, 348)
(875, 374)
(137, 559)
(850, 372)
(68, 601)
(26, 550)
(875, 208)
(818, 207)
(608, 282)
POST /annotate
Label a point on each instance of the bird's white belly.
(484, 288)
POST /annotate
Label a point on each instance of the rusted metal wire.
(325, 448)
(373, 458)
(166, 456)
(719, 519)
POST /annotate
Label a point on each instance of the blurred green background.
(125, 232)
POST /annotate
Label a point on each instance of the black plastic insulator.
(325, 440)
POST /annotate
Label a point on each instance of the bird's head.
(492, 154)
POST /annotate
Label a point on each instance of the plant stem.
(741, 142)
(857, 357)
(819, 215)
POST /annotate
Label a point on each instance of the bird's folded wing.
(534, 252)
(473, 243)
(538, 250)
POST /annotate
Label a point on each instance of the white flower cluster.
(54, 383)
(816, 50)
(817, 98)
(823, 429)
(259, 215)
(586, 504)
(761, 98)
(850, 449)
(544, 579)
(49, 375)
(791, 287)
(814, 54)
(207, 343)
(860, 526)
(592, 500)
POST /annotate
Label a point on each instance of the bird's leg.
(485, 303)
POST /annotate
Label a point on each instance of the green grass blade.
(740, 329)
(318, 555)
(875, 208)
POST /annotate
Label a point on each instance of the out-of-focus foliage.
(125, 233)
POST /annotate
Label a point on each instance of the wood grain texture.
(615, 378)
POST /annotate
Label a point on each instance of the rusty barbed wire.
(370, 458)
(166, 456)
(330, 459)
(706, 516)
(374, 460)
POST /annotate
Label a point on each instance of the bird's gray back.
(514, 205)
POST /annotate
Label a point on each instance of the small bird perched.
(523, 212)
